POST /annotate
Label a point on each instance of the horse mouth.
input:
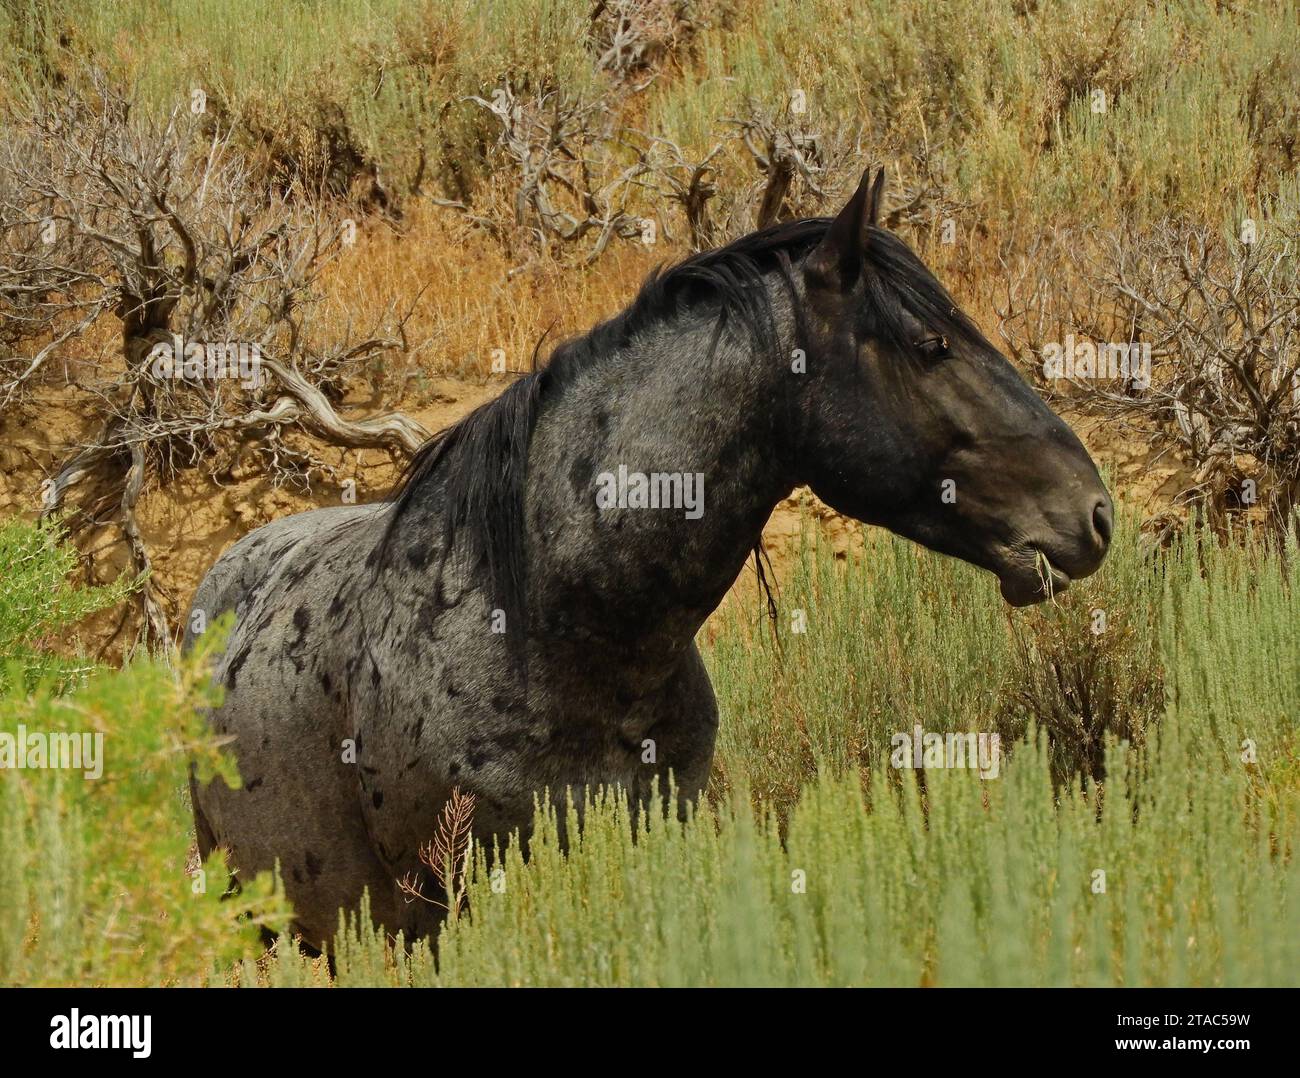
(1027, 577)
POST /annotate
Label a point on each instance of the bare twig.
(448, 854)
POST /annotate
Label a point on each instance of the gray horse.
(521, 616)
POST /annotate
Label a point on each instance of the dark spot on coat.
(301, 622)
(581, 475)
(253, 784)
(378, 798)
(314, 865)
(236, 664)
(294, 575)
(351, 667)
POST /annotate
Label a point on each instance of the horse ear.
(874, 199)
(838, 258)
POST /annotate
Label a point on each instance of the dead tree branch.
(210, 283)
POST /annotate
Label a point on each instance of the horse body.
(405, 665)
(498, 629)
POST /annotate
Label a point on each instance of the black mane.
(478, 466)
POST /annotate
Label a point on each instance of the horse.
(520, 615)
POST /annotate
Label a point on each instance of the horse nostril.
(1102, 519)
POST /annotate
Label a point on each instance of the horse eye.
(933, 347)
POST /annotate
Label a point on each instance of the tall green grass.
(976, 883)
(1176, 868)
(1159, 850)
(877, 644)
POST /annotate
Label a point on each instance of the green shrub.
(98, 880)
(1086, 665)
(38, 602)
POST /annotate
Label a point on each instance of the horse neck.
(641, 581)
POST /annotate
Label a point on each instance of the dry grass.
(471, 301)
